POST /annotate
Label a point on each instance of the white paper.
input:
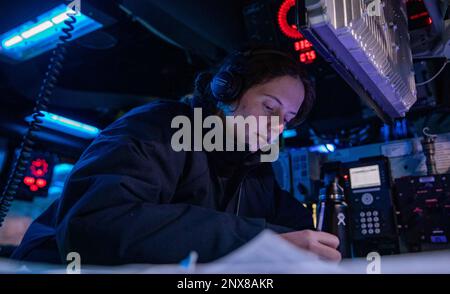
(267, 253)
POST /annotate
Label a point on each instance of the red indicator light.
(34, 188)
(39, 167)
(417, 210)
(41, 183)
(28, 181)
(419, 15)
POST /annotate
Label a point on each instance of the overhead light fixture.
(68, 126)
(42, 33)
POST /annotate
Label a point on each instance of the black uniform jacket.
(132, 199)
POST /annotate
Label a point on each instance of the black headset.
(227, 83)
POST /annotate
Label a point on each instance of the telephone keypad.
(369, 222)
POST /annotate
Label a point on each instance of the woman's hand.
(321, 243)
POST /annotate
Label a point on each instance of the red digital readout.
(302, 46)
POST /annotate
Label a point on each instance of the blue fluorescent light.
(67, 126)
(37, 29)
(330, 147)
(42, 34)
(324, 148)
(289, 133)
(13, 41)
(60, 18)
(62, 168)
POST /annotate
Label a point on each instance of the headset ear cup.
(225, 86)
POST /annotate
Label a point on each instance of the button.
(375, 213)
(369, 213)
(364, 232)
(363, 220)
(377, 231)
(363, 226)
(367, 198)
(362, 214)
(376, 219)
(377, 225)
(370, 225)
(369, 219)
(370, 231)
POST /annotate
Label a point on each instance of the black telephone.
(367, 188)
(367, 184)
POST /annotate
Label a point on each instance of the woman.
(133, 198)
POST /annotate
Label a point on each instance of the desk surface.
(265, 254)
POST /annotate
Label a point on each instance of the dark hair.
(257, 69)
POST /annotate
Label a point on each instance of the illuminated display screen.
(366, 176)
